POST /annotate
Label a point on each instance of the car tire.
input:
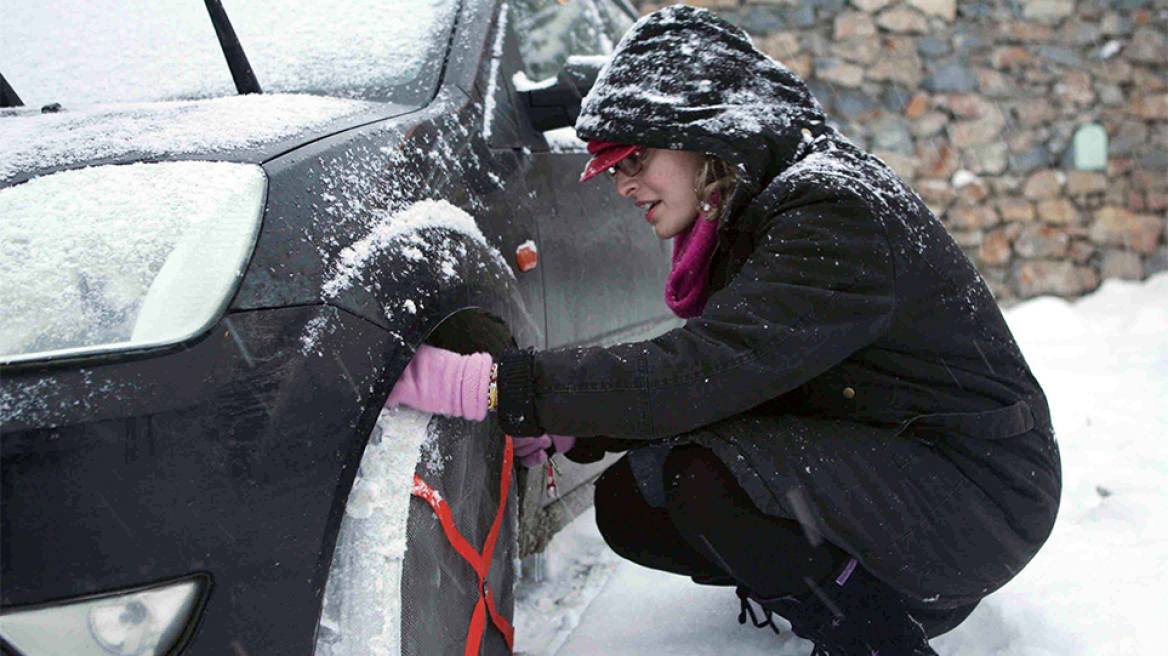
(379, 601)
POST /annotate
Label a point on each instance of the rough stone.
(1009, 57)
(870, 6)
(1058, 210)
(1037, 277)
(1036, 241)
(1043, 185)
(932, 47)
(970, 193)
(1016, 209)
(916, 107)
(1081, 251)
(1121, 265)
(1110, 94)
(1116, 71)
(713, 4)
(950, 76)
(781, 45)
(1060, 55)
(938, 160)
(993, 84)
(987, 159)
(963, 134)
(1035, 111)
(839, 72)
(1024, 32)
(861, 50)
(966, 239)
(1115, 24)
(1078, 32)
(933, 190)
(1155, 201)
(1149, 180)
(1127, 138)
(1157, 262)
(965, 105)
(1047, 11)
(1117, 226)
(903, 20)
(854, 105)
(929, 125)
(1080, 183)
(1148, 46)
(891, 132)
(995, 248)
(1075, 89)
(852, 24)
(905, 166)
(980, 216)
(1155, 159)
(1035, 158)
(1147, 80)
(946, 9)
(1153, 107)
(898, 63)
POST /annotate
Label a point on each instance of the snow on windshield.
(85, 51)
(36, 140)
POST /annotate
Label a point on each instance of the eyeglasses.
(630, 165)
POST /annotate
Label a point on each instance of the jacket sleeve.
(818, 286)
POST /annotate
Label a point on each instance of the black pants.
(709, 529)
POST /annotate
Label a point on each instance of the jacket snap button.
(849, 393)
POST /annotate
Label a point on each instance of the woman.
(844, 428)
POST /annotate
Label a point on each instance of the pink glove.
(532, 451)
(445, 383)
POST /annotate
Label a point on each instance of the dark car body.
(230, 456)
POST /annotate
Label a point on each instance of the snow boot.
(853, 615)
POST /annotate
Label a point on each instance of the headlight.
(122, 257)
(147, 622)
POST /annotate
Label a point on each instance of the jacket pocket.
(998, 424)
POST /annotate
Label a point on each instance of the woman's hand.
(533, 451)
(445, 383)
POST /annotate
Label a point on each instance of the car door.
(604, 271)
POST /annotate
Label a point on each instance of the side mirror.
(558, 105)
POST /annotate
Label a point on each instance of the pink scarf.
(686, 290)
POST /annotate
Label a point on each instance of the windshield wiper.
(245, 79)
(8, 97)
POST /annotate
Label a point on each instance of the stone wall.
(985, 108)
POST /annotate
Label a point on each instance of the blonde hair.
(715, 178)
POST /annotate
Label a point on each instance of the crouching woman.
(844, 428)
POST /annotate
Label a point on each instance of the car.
(225, 228)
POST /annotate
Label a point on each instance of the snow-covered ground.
(1099, 587)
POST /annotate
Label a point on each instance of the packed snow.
(143, 253)
(362, 598)
(87, 51)
(1096, 589)
(32, 140)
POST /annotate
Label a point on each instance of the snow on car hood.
(32, 143)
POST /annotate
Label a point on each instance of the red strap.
(480, 562)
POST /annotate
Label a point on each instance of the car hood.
(252, 128)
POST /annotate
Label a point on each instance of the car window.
(84, 51)
(550, 31)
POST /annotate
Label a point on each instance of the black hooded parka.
(850, 368)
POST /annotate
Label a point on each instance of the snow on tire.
(396, 585)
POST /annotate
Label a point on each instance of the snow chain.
(481, 562)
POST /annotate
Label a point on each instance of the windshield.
(86, 51)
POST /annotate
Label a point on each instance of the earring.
(706, 207)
